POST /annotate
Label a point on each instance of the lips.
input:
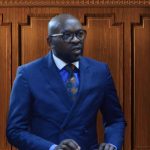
(77, 50)
(77, 47)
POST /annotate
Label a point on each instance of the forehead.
(71, 25)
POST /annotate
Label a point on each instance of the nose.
(75, 39)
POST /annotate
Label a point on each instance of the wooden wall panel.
(141, 85)
(104, 42)
(116, 35)
(34, 38)
(5, 78)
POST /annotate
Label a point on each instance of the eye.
(67, 35)
(80, 34)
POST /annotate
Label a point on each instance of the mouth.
(76, 48)
(77, 51)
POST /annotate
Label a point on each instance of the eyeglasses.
(68, 36)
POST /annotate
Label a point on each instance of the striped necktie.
(71, 83)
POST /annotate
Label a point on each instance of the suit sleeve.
(18, 126)
(113, 118)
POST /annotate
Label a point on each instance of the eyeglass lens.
(68, 36)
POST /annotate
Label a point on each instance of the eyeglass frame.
(73, 33)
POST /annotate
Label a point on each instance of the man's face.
(72, 50)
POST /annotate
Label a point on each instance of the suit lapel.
(51, 73)
(84, 72)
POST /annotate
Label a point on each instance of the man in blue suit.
(55, 99)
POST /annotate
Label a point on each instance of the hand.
(106, 146)
(68, 144)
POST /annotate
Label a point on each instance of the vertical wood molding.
(112, 56)
(28, 28)
(140, 83)
(5, 78)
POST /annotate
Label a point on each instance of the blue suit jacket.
(42, 113)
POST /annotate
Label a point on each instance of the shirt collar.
(61, 64)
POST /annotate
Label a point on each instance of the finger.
(78, 147)
(101, 147)
(112, 147)
(64, 147)
(58, 148)
(107, 147)
(73, 145)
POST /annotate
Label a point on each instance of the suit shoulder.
(97, 67)
(94, 63)
(33, 64)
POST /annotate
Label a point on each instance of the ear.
(49, 40)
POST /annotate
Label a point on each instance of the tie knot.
(70, 68)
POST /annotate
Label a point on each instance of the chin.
(72, 59)
(76, 59)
